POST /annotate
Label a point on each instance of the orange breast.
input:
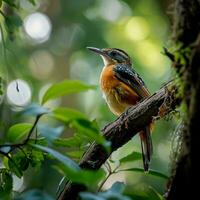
(107, 79)
(117, 94)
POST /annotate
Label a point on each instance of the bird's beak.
(97, 51)
(104, 55)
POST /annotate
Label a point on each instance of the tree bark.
(122, 130)
(186, 30)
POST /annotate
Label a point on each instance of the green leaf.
(74, 141)
(88, 129)
(143, 192)
(151, 172)
(72, 170)
(156, 194)
(63, 159)
(32, 2)
(67, 114)
(88, 176)
(10, 2)
(83, 176)
(35, 110)
(64, 88)
(81, 124)
(134, 156)
(34, 195)
(12, 24)
(17, 131)
(50, 133)
(14, 21)
(75, 154)
(36, 157)
(13, 166)
(6, 183)
(21, 160)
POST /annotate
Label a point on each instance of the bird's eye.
(113, 54)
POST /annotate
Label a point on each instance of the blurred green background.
(51, 46)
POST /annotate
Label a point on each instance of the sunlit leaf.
(151, 172)
(17, 131)
(134, 156)
(64, 88)
(74, 141)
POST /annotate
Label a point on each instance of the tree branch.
(122, 130)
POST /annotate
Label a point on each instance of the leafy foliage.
(6, 183)
(64, 88)
(17, 131)
(34, 151)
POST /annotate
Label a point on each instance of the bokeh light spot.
(41, 64)
(150, 56)
(107, 6)
(18, 93)
(17, 183)
(137, 28)
(38, 27)
(163, 151)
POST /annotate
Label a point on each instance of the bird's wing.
(131, 78)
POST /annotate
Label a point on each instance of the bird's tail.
(147, 147)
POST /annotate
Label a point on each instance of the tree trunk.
(186, 30)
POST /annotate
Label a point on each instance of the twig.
(19, 145)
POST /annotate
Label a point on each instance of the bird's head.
(112, 55)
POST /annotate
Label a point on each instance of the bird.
(122, 87)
